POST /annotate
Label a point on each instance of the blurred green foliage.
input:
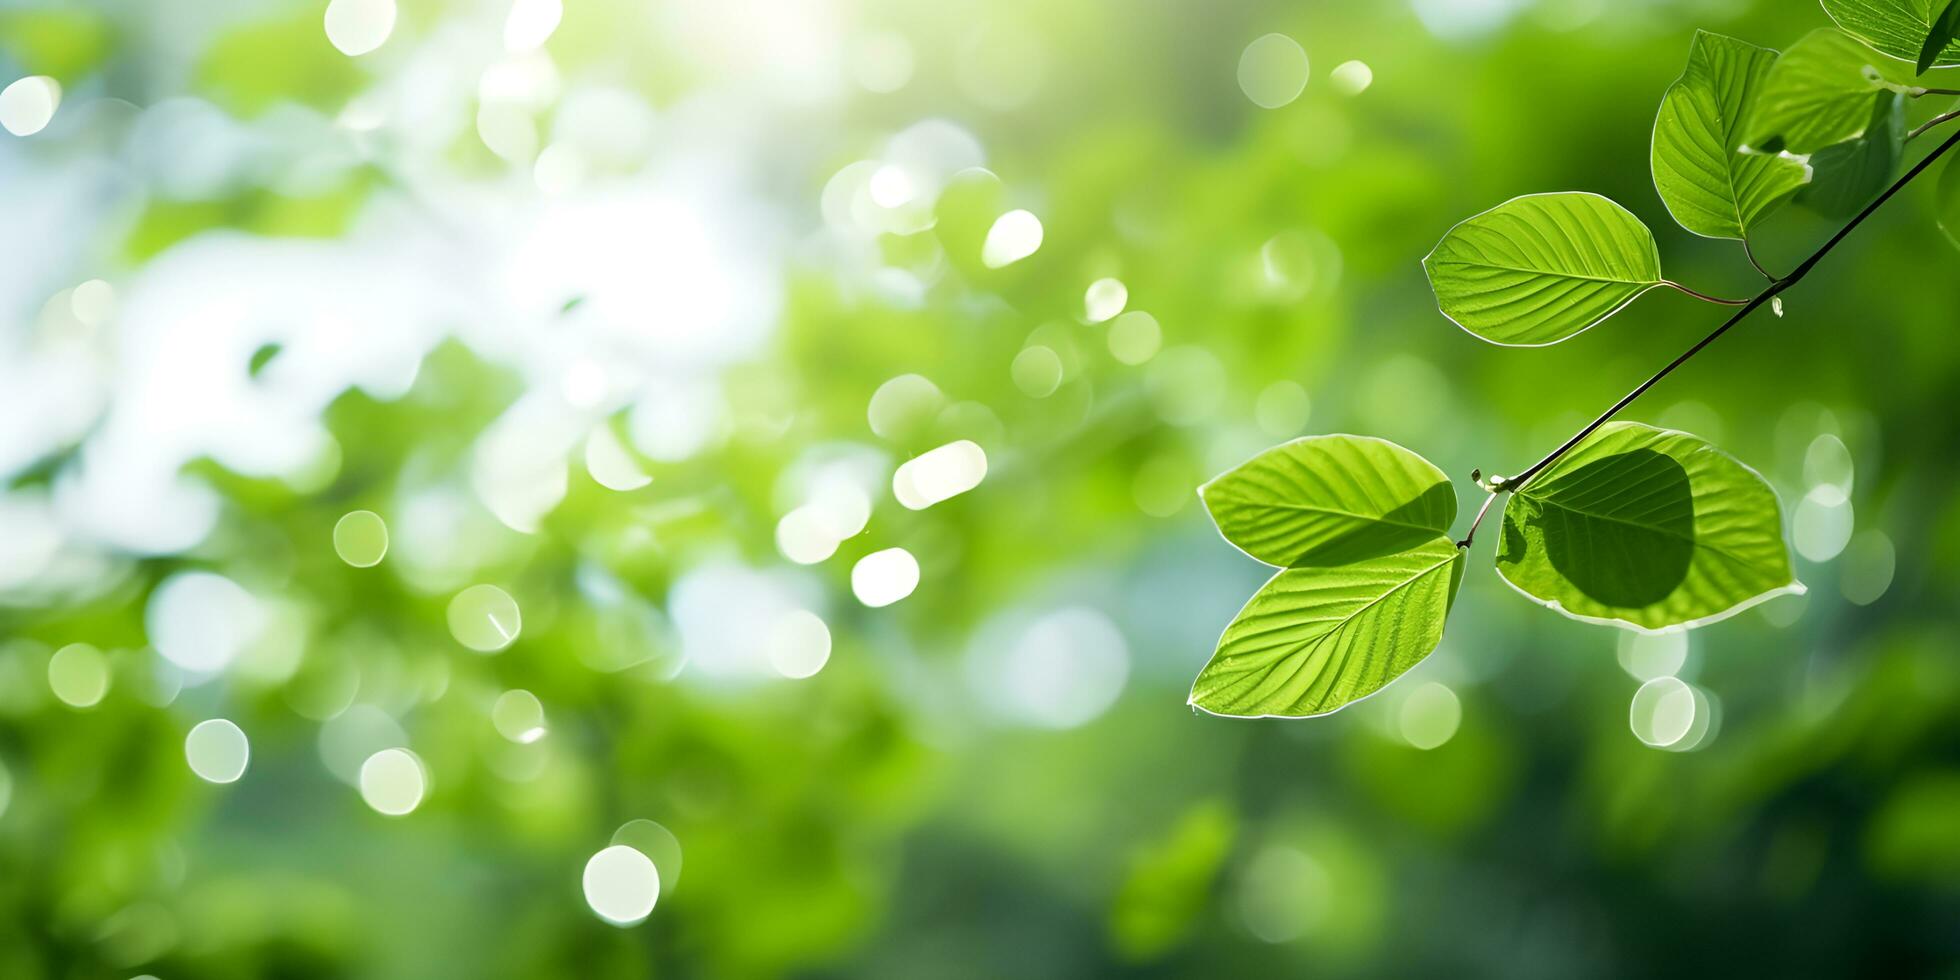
(892, 816)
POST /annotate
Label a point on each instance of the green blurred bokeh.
(996, 775)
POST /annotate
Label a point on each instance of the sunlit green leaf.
(1645, 527)
(1329, 500)
(1314, 639)
(1844, 177)
(1819, 93)
(1899, 28)
(1538, 269)
(1711, 189)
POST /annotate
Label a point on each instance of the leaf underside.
(1819, 93)
(1330, 500)
(1315, 639)
(1538, 269)
(1648, 528)
(1709, 187)
(1846, 176)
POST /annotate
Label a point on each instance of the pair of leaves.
(1638, 526)
(1539, 269)
(1919, 31)
(1359, 527)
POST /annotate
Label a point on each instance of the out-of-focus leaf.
(1946, 194)
(1315, 639)
(1169, 883)
(255, 67)
(1819, 93)
(1900, 28)
(1845, 176)
(1708, 187)
(1645, 527)
(1538, 269)
(1330, 500)
(63, 44)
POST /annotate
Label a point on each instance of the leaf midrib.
(1305, 648)
(1244, 502)
(1549, 272)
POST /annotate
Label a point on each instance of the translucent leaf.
(1538, 269)
(1647, 528)
(1897, 27)
(1315, 639)
(1846, 176)
(1708, 187)
(1819, 93)
(1330, 500)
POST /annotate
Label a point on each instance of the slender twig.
(1750, 253)
(1935, 121)
(1704, 297)
(1769, 292)
(1935, 91)
(1481, 511)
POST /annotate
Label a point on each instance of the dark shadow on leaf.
(1620, 529)
(1398, 530)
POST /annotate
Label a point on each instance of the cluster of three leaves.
(1637, 526)
(1540, 268)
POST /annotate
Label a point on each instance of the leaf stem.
(1481, 511)
(1935, 121)
(1750, 254)
(1935, 91)
(1769, 292)
(1704, 297)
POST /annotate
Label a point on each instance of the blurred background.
(705, 488)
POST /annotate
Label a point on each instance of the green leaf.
(1315, 639)
(1945, 27)
(1819, 93)
(1711, 189)
(1330, 500)
(1900, 28)
(1538, 269)
(1844, 177)
(1647, 528)
(1946, 198)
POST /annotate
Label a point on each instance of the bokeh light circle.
(621, 885)
(217, 751)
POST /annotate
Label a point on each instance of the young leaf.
(1946, 198)
(1900, 28)
(1538, 269)
(1315, 639)
(1711, 189)
(1945, 27)
(1647, 528)
(1330, 500)
(1845, 176)
(1819, 93)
